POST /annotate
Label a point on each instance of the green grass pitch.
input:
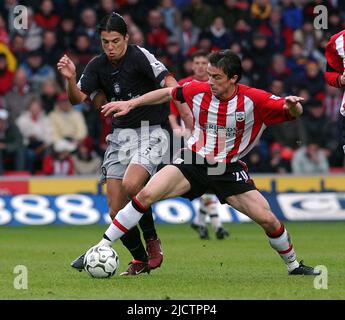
(240, 267)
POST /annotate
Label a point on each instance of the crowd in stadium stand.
(282, 52)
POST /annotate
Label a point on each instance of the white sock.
(202, 214)
(210, 204)
(126, 218)
(285, 249)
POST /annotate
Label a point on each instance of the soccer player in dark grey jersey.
(135, 148)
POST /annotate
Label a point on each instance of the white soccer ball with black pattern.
(101, 261)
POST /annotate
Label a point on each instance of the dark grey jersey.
(137, 73)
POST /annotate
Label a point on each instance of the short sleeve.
(151, 67)
(88, 82)
(187, 92)
(270, 107)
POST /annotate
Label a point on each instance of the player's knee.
(131, 188)
(146, 197)
(268, 220)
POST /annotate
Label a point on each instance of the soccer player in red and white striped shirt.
(335, 73)
(228, 119)
(208, 201)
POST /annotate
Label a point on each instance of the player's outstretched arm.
(67, 68)
(120, 108)
(292, 103)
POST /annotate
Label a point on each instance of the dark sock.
(148, 226)
(132, 241)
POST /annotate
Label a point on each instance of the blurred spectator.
(171, 15)
(17, 46)
(280, 37)
(85, 160)
(87, 27)
(200, 13)
(261, 56)
(187, 67)
(136, 36)
(175, 57)
(82, 49)
(232, 11)
(59, 162)
(313, 80)
(46, 17)
(18, 98)
(49, 92)
(66, 122)
(303, 92)
(309, 160)
(204, 44)
(4, 37)
(297, 61)
(278, 162)
(287, 134)
(221, 37)
(243, 34)
(50, 50)
(256, 162)
(334, 22)
(277, 88)
(66, 32)
(138, 10)
(6, 76)
(187, 34)
(106, 7)
(292, 15)
(73, 8)
(249, 76)
(11, 145)
(35, 128)
(157, 34)
(36, 71)
(278, 69)
(309, 36)
(319, 127)
(236, 48)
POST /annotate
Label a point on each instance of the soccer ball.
(101, 261)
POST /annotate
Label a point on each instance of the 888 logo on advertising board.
(30, 209)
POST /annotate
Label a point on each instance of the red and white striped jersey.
(226, 130)
(335, 55)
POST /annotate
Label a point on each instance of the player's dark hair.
(200, 53)
(227, 61)
(113, 22)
